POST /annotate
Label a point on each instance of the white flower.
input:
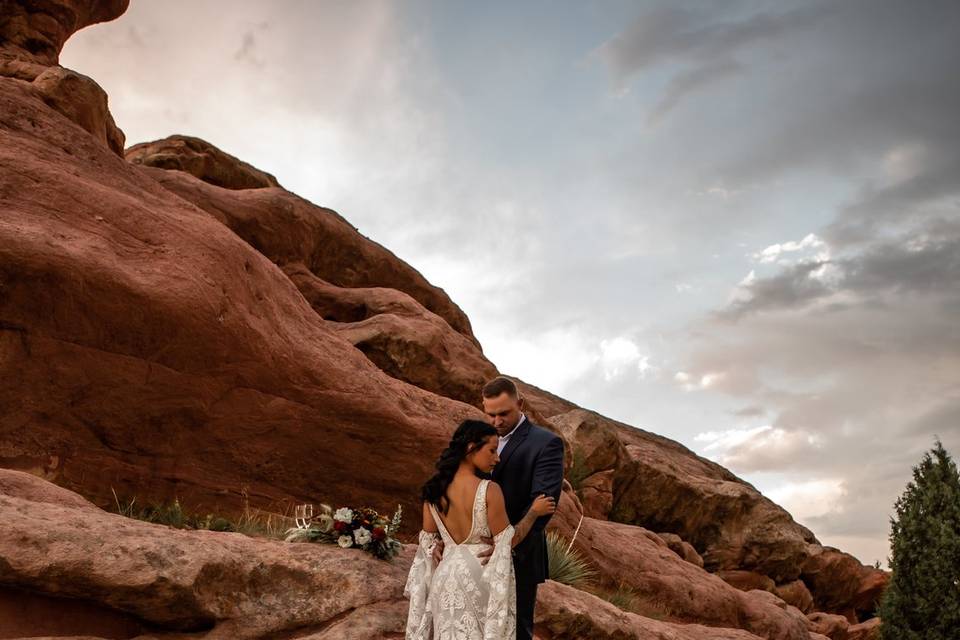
(345, 541)
(343, 514)
(362, 536)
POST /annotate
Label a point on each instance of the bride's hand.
(437, 551)
(543, 505)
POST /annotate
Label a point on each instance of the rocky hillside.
(173, 322)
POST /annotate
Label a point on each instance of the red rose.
(340, 527)
(379, 533)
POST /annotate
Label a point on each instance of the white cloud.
(553, 359)
(775, 253)
(757, 448)
(810, 498)
(617, 355)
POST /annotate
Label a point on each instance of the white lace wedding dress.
(461, 599)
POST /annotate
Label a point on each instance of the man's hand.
(437, 551)
(484, 556)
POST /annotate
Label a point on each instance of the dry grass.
(252, 522)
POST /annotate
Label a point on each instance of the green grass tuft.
(627, 599)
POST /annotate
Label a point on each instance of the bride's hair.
(469, 432)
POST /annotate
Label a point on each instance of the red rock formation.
(177, 324)
(746, 580)
(202, 160)
(868, 630)
(564, 613)
(159, 353)
(127, 578)
(829, 624)
(153, 578)
(33, 33)
(797, 594)
(840, 583)
(290, 230)
(665, 583)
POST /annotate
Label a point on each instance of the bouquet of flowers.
(352, 528)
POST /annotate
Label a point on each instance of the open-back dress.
(460, 599)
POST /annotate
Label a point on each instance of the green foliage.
(566, 564)
(922, 601)
(626, 598)
(623, 597)
(251, 522)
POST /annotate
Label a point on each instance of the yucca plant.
(566, 564)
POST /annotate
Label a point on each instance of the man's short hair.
(500, 385)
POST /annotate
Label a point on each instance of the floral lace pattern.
(460, 599)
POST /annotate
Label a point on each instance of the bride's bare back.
(459, 516)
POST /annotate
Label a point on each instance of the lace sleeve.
(417, 588)
(498, 575)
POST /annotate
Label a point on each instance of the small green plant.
(626, 598)
(566, 564)
(623, 597)
(252, 522)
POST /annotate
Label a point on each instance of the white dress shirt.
(504, 439)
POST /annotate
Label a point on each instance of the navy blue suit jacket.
(530, 464)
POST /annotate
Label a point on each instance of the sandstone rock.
(399, 335)
(682, 548)
(634, 557)
(666, 487)
(166, 583)
(746, 580)
(149, 349)
(29, 487)
(830, 625)
(542, 403)
(596, 492)
(35, 31)
(594, 441)
(841, 584)
(82, 101)
(594, 453)
(22, 612)
(868, 630)
(565, 613)
(796, 594)
(216, 585)
(202, 160)
(288, 229)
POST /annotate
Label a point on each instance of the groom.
(531, 463)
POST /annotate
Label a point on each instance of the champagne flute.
(298, 515)
(307, 515)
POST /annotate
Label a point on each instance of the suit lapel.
(515, 440)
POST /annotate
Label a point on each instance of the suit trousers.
(526, 601)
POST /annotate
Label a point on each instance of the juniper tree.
(922, 601)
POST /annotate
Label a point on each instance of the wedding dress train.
(460, 599)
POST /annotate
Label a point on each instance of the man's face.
(503, 411)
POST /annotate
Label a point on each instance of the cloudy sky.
(733, 223)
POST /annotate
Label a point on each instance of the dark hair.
(469, 432)
(500, 385)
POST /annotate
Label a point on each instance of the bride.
(460, 599)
